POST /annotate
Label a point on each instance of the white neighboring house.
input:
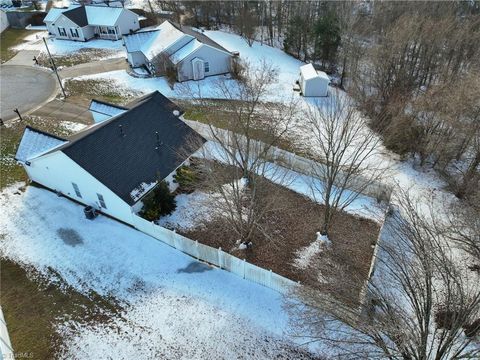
(191, 53)
(113, 164)
(81, 23)
(4, 24)
(313, 82)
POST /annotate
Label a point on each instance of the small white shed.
(313, 83)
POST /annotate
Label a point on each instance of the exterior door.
(198, 69)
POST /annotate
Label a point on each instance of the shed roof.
(308, 72)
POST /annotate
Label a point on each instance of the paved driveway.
(25, 88)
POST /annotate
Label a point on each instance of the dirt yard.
(295, 222)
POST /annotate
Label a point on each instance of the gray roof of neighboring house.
(77, 15)
(200, 36)
(156, 41)
(135, 148)
(87, 15)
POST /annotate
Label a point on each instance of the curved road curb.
(25, 87)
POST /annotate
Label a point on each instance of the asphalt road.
(25, 88)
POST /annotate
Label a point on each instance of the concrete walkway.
(95, 67)
(23, 57)
(65, 110)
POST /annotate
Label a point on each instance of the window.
(207, 67)
(111, 31)
(74, 32)
(62, 32)
(77, 190)
(101, 200)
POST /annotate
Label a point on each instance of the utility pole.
(54, 68)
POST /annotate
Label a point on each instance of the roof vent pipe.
(176, 112)
(122, 133)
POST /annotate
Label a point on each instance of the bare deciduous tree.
(345, 149)
(243, 135)
(421, 302)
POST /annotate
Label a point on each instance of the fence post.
(270, 279)
(244, 264)
(220, 258)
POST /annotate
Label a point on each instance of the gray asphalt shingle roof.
(125, 152)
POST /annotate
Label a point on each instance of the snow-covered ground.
(175, 307)
(67, 47)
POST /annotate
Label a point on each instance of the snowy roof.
(87, 15)
(152, 43)
(184, 51)
(54, 13)
(103, 15)
(35, 142)
(105, 108)
(308, 71)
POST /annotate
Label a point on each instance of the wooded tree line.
(412, 67)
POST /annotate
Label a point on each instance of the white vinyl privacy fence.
(216, 257)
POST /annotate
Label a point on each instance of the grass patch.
(10, 38)
(100, 89)
(215, 115)
(32, 307)
(79, 57)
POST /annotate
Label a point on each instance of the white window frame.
(101, 201)
(62, 31)
(206, 66)
(77, 190)
(74, 32)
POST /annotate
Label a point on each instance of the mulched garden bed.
(295, 223)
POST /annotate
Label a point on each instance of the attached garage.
(313, 83)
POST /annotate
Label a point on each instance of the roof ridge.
(102, 124)
(44, 133)
(109, 104)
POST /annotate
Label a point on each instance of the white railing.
(216, 257)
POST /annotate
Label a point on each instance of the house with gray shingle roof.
(113, 164)
(188, 51)
(81, 23)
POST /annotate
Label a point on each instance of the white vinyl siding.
(57, 172)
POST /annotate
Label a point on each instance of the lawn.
(81, 56)
(215, 114)
(32, 307)
(99, 89)
(10, 38)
